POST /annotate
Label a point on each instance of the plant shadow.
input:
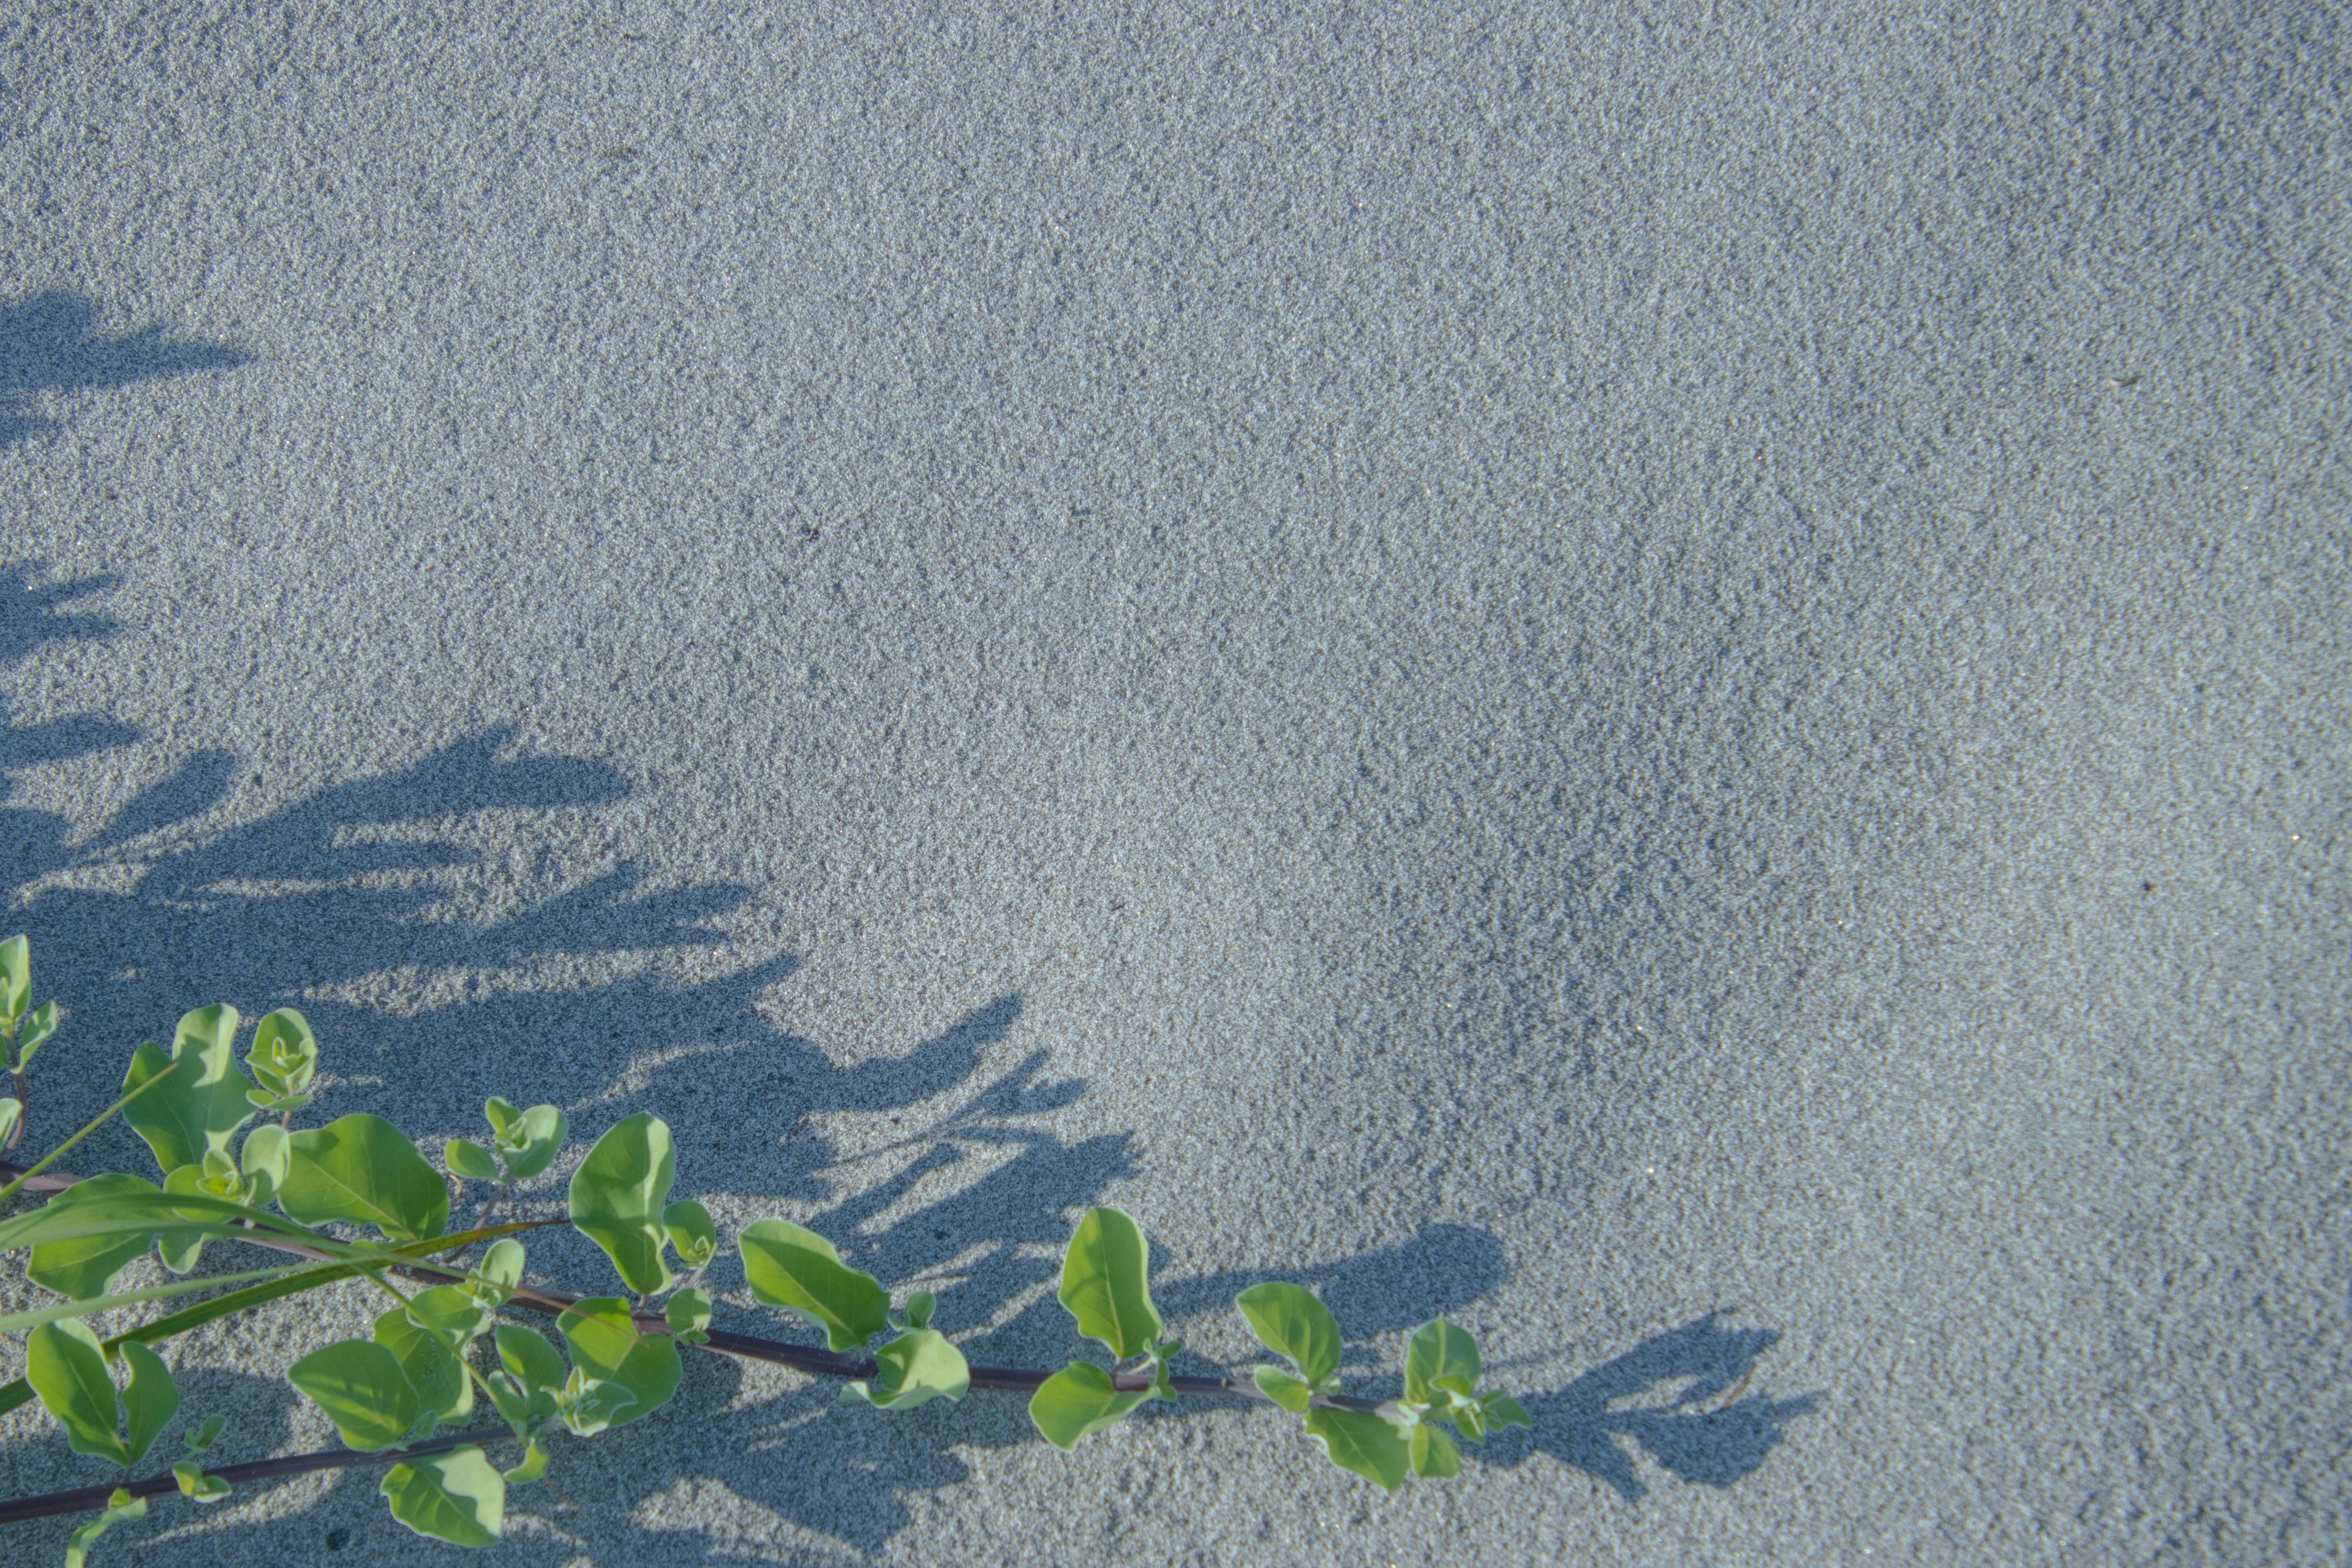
(1708, 1430)
(368, 895)
(48, 342)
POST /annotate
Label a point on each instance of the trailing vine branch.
(417, 1370)
(799, 1358)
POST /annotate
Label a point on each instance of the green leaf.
(1078, 1400)
(454, 1315)
(607, 1345)
(87, 1266)
(1282, 1389)
(500, 1271)
(617, 1195)
(150, 1398)
(589, 1404)
(362, 1169)
(688, 1314)
(470, 1161)
(533, 1465)
(1440, 1356)
(1366, 1443)
(268, 1156)
(179, 1247)
(457, 1496)
(514, 1403)
(799, 1270)
(361, 1387)
(202, 1104)
(525, 1352)
(444, 1392)
(68, 1370)
(16, 979)
(503, 1117)
(916, 1368)
(37, 1034)
(1433, 1453)
(692, 1232)
(1293, 1325)
(11, 1111)
(197, 1485)
(1105, 1283)
(531, 1139)
(206, 1435)
(284, 1055)
(1503, 1411)
(920, 1306)
(120, 1509)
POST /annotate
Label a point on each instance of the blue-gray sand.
(1669, 679)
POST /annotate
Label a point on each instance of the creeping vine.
(447, 1334)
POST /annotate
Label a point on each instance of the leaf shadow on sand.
(48, 342)
(353, 893)
(1707, 1429)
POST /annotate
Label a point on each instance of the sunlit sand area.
(1668, 680)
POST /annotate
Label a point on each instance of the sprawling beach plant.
(355, 1199)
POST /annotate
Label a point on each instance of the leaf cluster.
(357, 1199)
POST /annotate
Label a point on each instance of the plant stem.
(90, 1500)
(806, 1359)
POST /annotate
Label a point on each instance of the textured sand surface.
(1672, 678)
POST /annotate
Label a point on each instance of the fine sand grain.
(1671, 678)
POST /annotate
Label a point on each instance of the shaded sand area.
(1669, 679)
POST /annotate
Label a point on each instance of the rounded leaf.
(1293, 1325)
(1106, 1285)
(914, 1369)
(1434, 1454)
(84, 1267)
(268, 1156)
(362, 1387)
(1440, 1356)
(284, 1055)
(500, 1270)
(692, 1232)
(67, 1371)
(617, 1197)
(1361, 1442)
(44, 1024)
(800, 1271)
(444, 1392)
(362, 1169)
(1282, 1389)
(526, 1353)
(16, 979)
(459, 1497)
(470, 1162)
(203, 1103)
(532, 1143)
(150, 1397)
(608, 1346)
(1078, 1400)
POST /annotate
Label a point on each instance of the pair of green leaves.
(68, 1369)
(620, 1200)
(522, 1144)
(1105, 1285)
(915, 1366)
(197, 1113)
(1441, 1385)
(800, 1271)
(18, 1011)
